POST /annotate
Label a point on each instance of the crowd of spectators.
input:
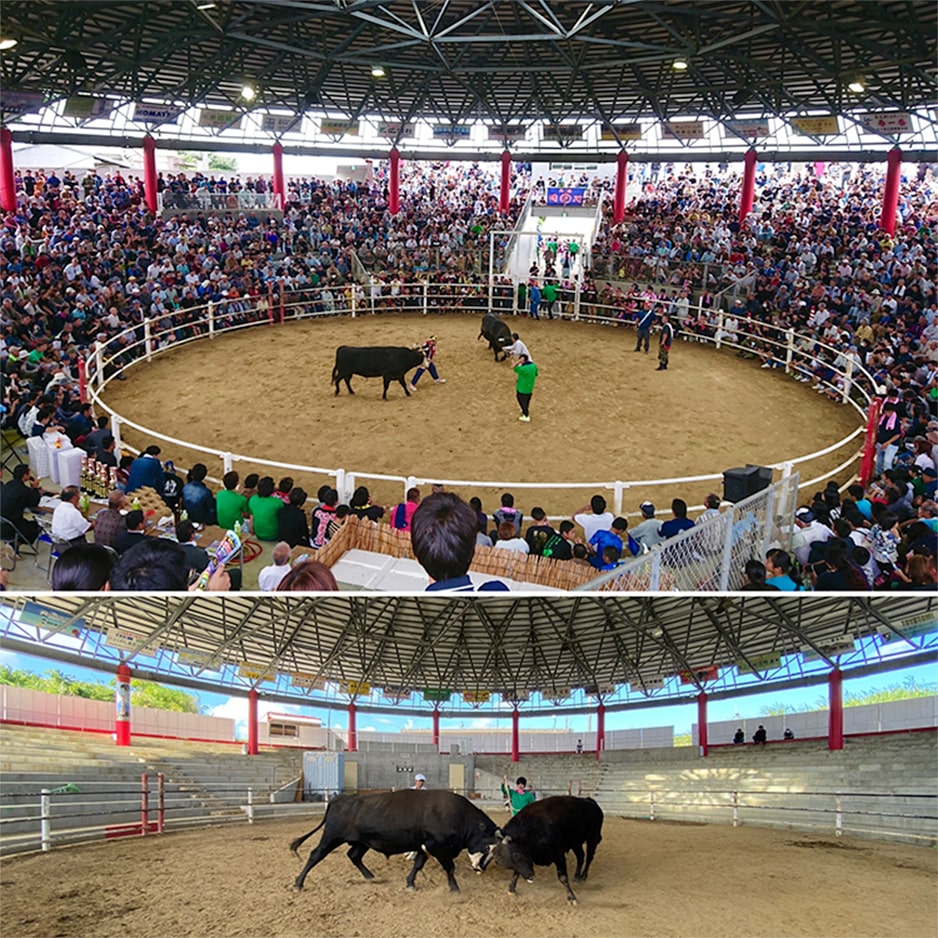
(83, 261)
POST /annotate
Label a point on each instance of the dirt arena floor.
(647, 879)
(600, 412)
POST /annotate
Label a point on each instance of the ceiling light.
(7, 42)
(856, 86)
(205, 6)
(679, 65)
(248, 92)
(377, 71)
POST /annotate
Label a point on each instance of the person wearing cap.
(420, 782)
(809, 531)
(645, 533)
(429, 349)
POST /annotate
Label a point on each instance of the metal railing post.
(735, 809)
(144, 803)
(651, 806)
(838, 815)
(210, 312)
(147, 336)
(45, 823)
(160, 802)
(250, 805)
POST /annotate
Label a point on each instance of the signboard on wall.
(750, 129)
(15, 103)
(816, 126)
(510, 132)
(452, 131)
(700, 675)
(84, 107)
(219, 120)
(50, 619)
(759, 663)
(395, 129)
(256, 672)
(130, 641)
(476, 696)
(279, 123)
(622, 132)
(888, 123)
(561, 132)
(682, 130)
(156, 113)
(437, 695)
(565, 196)
(307, 680)
(355, 688)
(337, 128)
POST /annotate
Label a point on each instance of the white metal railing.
(788, 350)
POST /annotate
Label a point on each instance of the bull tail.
(335, 372)
(295, 845)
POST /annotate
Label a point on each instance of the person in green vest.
(526, 371)
(519, 795)
(549, 297)
(522, 297)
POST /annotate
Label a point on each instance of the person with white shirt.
(594, 517)
(68, 523)
(270, 577)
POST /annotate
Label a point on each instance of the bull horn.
(498, 832)
(506, 840)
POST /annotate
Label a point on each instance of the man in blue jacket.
(146, 469)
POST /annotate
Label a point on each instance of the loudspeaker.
(741, 482)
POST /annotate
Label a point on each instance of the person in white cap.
(420, 782)
(646, 532)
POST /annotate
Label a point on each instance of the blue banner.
(568, 196)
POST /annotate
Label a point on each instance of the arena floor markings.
(599, 412)
(647, 879)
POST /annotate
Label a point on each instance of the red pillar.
(702, 723)
(7, 175)
(504, 195)
(749, 185)
(82, 379)
(436, 727)
(279, 188)
(868, 460)
(352, 731)
(515, 735)
(252, 722)
(622, 181)
(122, 706)
(835, 732)
(887, 221)
(149, 173)
(394, 183)
(600, 729)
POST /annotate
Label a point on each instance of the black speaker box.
(743, 481)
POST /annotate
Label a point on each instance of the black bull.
(388, 362)
(435, 824)
(543, 832)
(497, 333)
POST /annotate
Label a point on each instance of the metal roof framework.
(531, 649)
(508, 64)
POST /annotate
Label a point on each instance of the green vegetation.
(142, 693)
(219, 163)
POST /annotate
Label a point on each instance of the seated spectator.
(400, 517)
(106, 452)
(838, 573)
(335, 523)
(82, 567)
(780, 573)
(678, 522)
(322, 514)
(134, 531)
(153, 565)
(292, 523)
(196, 556)
(68, 522)
(172, 485)
(754, 577)
(507, 512)
(611, 538)
(231, 506)
(508, 539)
(92, 442)
(593, 517)
(310, 576)
(538, 533)
(443, 534)
(146, 470)
(560, 545)
(109, 522)
(808, 532)
(475, 503)
(361, 505)
(80, 425)
(198, 500)
(22, 493)
(264, 509)
(645, 533)
(284, 487)
(269, 578)
(251, 481)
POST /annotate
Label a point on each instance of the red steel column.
(252, 722)
(749, 185)
(352, 731)
(868, 460)
(122, 706)
(436, 727)
(7, 175)
(887, 221)
(278, 186)
(835, 732)
(622, 182)
(394, 183)
(515, 736)
(600, 729)
(504, 195)
(702, 723)
(149, 173)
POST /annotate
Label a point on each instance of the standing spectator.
(665, 341)
(534, 294)
(526, 371)
(146, 470)
(518, 795)
(400, 517)
(646, 320)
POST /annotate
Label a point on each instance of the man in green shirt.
(549, 297)
(519, 796)
(230, 504)
(526, 371)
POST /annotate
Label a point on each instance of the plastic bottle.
(135, 504)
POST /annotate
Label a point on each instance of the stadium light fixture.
(679, 65)
(7, 42)
(856, 86)
(248, 92)
(377, 71)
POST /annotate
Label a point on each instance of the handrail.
(143, 341)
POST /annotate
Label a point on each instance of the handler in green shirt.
(526, 371)
(519, 795)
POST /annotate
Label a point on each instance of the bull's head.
(483, 858)
(508, 855)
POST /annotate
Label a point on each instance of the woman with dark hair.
(754, 577)
(361, 505)
(310, 576)
(84, 567)
(838, 573)
(781, 572)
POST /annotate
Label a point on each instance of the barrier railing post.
(651, 806)
(144, 803)
(99, 365)
(116, 432)
(270, 302)
(160, 802)
(655, 576)
(848, 379)
(619, 489)
(789, 350)
(45, 820)
(426, 297)
(727, 553)
(341, 484)
(227, 462)
(281, 302)
(838, 815)
(735, 809)
(250, 805)
(147, 336)
(718, 338)
(210, 312)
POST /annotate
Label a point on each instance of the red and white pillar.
(252, 722)
(868, 460)
(504, 194)
(600, 730)
(749, 185)
(7, 174)
(352, 729)
(515, 735)
(436, 727)
(394, 182)
(702, 723)
(122, 706)
(278, 186)
(887, 220)
(622, 182)
(149, 173)
(835, 730)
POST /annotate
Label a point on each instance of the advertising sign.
(156, 114)
(279, 123)
(888, 123)
(682, 130)
(622, 132)
(566, 196)
(452, 131)
(84, 107)
(15, 103)
(746, 128)
(395, 129)
(816, 126)
(337, 128)
(219, 120)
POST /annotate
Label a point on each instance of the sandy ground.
(647, 879)
(600, 412)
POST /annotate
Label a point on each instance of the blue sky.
(681, 716)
